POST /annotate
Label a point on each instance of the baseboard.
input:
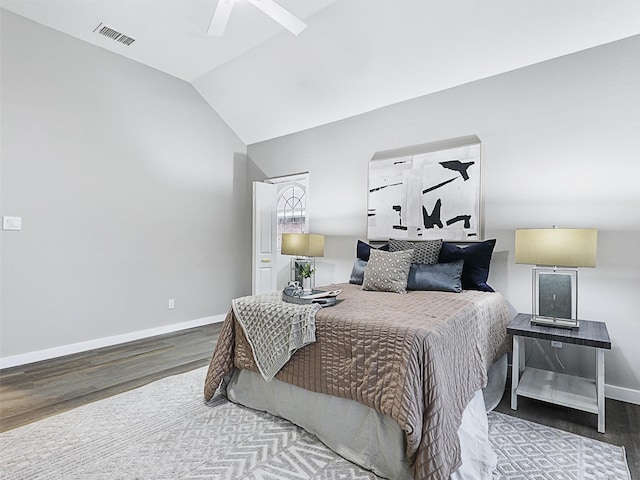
(623, 394)
(31, 357)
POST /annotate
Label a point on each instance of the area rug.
(165, 430)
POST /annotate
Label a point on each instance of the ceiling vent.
(113, 34)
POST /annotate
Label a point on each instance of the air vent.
(113, 34)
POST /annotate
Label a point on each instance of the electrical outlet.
(555, 344)
(172, 303)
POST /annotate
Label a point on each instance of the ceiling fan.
(269, 7)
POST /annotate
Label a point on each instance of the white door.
(265, 243)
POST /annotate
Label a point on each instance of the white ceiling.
(354, 56)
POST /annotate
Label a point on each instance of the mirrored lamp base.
(308, 283)
(555, 297)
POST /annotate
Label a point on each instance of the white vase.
(306, 284)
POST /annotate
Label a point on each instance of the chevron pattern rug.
(165, 431)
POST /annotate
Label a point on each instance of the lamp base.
(298, 264)
(555, 322)
(555, 297)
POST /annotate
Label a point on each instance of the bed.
(405, 371)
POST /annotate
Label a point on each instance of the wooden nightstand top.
(590, 334)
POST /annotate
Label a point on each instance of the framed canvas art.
(426, 192)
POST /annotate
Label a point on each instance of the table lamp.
(304, 247)
(556, 253)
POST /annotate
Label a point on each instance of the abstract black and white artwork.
(428, 195)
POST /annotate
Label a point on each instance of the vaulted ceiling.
(354, 56)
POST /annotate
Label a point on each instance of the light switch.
(12, 223)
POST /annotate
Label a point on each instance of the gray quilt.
(418, 358)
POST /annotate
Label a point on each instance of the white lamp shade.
(566, 247)
(302, 244)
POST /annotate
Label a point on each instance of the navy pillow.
(445, 277)
(477, 258)
(357, 273)
(363, 250)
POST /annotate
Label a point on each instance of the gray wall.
(130, 188)
(559, 147)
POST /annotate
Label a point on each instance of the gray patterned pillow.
(425, 252)
(387, 272)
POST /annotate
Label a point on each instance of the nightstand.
(554, 387)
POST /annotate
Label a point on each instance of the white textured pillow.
(387, 271)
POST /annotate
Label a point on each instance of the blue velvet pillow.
(445, 277)
(363, 250)
(477, 258)
(357, 273)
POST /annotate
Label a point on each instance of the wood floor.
(35, 391)
(38, 390)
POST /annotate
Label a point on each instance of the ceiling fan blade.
(220, 18)
(280, 15)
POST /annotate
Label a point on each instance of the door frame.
(280, 262)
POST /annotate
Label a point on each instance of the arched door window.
(291, 210)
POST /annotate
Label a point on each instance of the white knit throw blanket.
(275, 329)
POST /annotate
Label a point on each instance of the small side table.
(559, 388)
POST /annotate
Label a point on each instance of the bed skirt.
(366, 437)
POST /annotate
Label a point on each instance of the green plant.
(304, 270)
